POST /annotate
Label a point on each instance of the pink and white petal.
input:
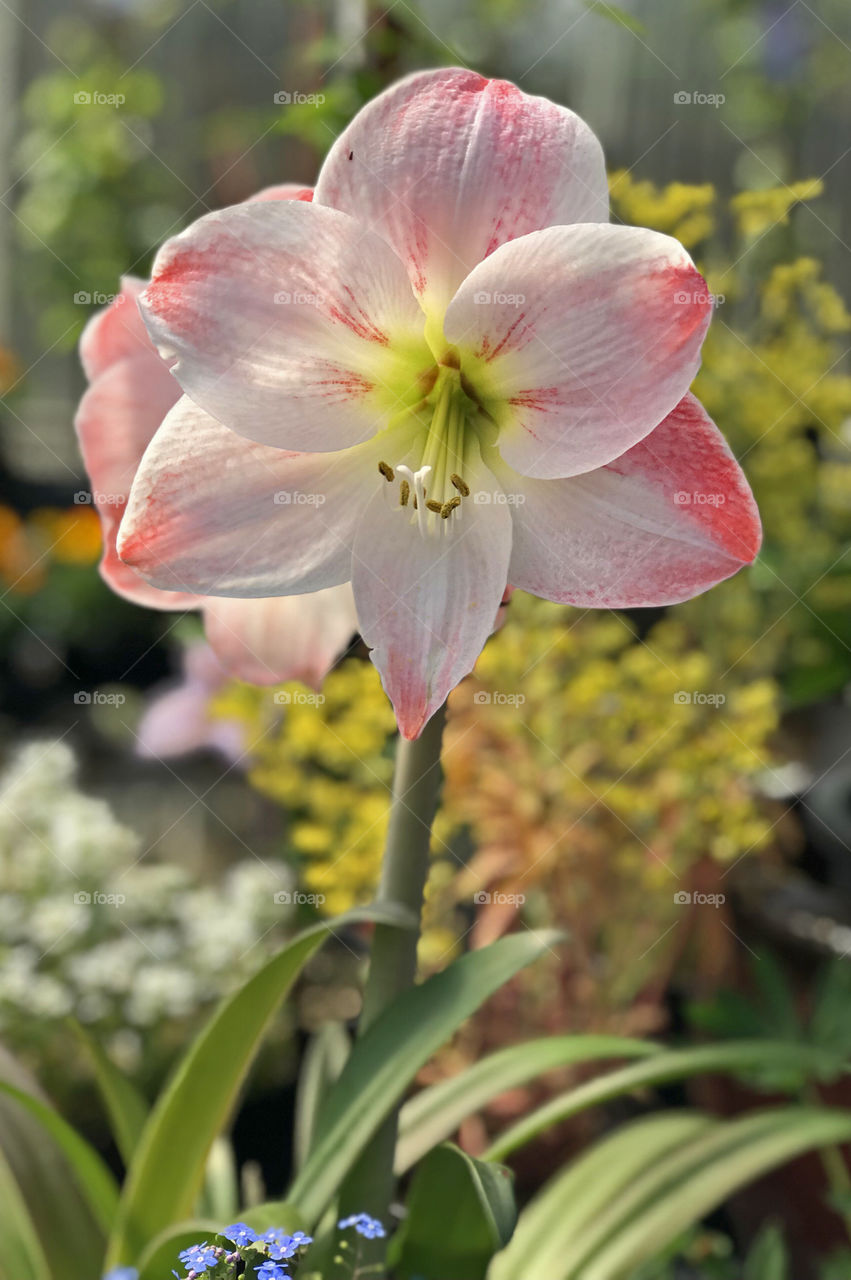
(670, 518)
(284, 637)
(427, 604)
(119, 330)
(290, 323)
(580, 340)
(116, 332)
(447, 166)
(116, 420)
(223, 516)
(284, 191)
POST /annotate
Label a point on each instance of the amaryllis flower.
(465, 375)
(132, 390)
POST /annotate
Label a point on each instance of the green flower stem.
(393, 963)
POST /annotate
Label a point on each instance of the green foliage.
(161, 1190)
(388, 1056)
(621, 1203)
(773, 1011)
(436, 1112)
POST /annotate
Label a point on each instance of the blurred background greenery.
(596, 796)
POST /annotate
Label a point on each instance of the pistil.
(436, 490)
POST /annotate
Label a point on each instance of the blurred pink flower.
(177, 719)
(131, 390)
(445, 373)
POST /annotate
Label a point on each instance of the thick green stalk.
(393, 962)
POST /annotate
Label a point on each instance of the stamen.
(436, 507)
(461, 485)
(448, 507)
(404, 493)
(387, 471)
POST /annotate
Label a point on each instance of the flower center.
(434, 492)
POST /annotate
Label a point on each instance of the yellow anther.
(404, 493)
(436, 507)
(448, 507)
(461, 485)
(387, 471)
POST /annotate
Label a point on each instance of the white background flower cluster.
(169, 946)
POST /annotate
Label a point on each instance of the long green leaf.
(675, 1064)
(44, 1213)
(160, 1258)
(167, 1171)
(324, 1059)
(688, 1184)
(91, 1174)
(767, 1257)
(461, 1211)
(21, 1256)
(126, 1108)
(582, 1191)
(383, 1063)
(436, 1112)
(220, 1196)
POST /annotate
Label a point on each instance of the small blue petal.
(364, 1225)
(240, 1234)
(271, 1271)
(199, 1257)
(281, 1244)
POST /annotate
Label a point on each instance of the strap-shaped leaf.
(324, 1059)
(621, 1204)
(436, 1112)
(578, 1194)
(160, 1258)
(688, 1184)
(461, 1211)
(674, 1064)
(126, 1108)
(91, 1175)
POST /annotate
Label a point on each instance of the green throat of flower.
(455, 429)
